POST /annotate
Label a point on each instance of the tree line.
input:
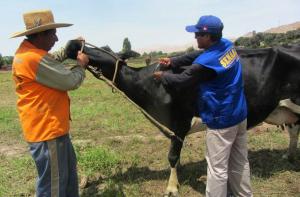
(5, 60)
(258, 40)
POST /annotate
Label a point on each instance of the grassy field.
(120, 153)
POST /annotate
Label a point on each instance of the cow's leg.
(174, 156)
(294, 135)
(173, 184)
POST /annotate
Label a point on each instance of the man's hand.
(80, 38)
(82, 59)
(158, 75)
(165, 62)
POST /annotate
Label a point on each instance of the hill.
(279, 29)
(173, 48)
(284, 28)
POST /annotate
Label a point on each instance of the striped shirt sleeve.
(55, 75)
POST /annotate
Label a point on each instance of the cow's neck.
(139, 85)
(130, 83)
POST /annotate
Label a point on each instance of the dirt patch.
(264, 127)
(13, 150)
(137, 136)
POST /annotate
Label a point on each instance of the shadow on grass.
(188, 174)
(264, 163)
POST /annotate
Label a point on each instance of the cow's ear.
(127, 54)
(72, 48)
(123, 55)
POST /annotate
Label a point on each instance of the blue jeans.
(56, 166)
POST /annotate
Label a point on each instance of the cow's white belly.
(196, 125)
(285, 113)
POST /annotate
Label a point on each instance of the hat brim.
(191, 28)
(40, 29)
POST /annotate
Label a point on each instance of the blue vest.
(221, 101)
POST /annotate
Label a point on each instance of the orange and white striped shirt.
(41, 86)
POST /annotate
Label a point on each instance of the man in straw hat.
(43, 104)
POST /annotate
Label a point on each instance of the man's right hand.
(165, 62)
(82, 59)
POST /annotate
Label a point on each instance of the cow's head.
(101, 59)
(289, 59)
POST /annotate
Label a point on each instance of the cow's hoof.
(171, 194)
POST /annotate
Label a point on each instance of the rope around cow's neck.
(83, 43)
(165, 130)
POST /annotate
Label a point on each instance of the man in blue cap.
(222, 106)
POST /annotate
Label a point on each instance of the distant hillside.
(279, 29)
(282, 35)
(173, 48)
(284, 28)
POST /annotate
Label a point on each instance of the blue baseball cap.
(206, 24)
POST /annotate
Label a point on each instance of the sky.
(146, 23)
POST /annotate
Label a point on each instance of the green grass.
(120, 153)
(16, 176)
(103, 110)
(98, 160)
(9, 123)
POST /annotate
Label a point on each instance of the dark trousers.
(56, 166)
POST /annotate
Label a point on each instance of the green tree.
(1, 61)
(243, 41)
(126, 45)
(7, 60)
(190, 49)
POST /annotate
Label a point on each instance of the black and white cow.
(270, 75)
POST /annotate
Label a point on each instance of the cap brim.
(191, 28)
(40, 29)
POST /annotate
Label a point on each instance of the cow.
(270, 75)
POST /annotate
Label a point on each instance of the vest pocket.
(216, 107)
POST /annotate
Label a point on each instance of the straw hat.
(38, 21)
